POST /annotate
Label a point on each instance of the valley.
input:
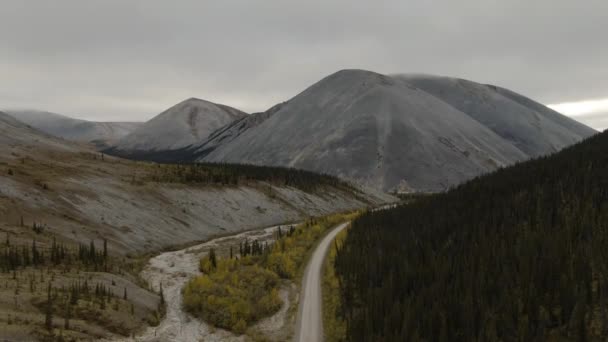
(104, 248)
(174, 269)
(307, 171)
(59, 193)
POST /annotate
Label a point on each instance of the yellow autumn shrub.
(240, 291)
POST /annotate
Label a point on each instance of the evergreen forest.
(520, 254)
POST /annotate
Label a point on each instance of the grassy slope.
(81, 196)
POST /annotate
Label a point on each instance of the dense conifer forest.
(237, 174)
(517, 255)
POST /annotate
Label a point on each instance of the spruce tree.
(212, 258)
(48, 321)
(162, 296)
(105, 249)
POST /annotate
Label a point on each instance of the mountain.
(531, 127)
(515, 255)
(101, 134)
(79, 194)
(396, 132)
(18, 136)
(224, 135)
(184, 124)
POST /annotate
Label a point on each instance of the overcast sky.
(129, 60)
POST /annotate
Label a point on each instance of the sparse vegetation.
(61, 284)
(240, 290)
(15, 257)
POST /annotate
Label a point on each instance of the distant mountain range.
(395, 133)
(101, 134)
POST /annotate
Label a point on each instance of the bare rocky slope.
(182, 125)
(102, 134)
(397, 132)
(223, 135)
(73, 192)
(533, 128)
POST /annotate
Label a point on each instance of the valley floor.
(174, 269)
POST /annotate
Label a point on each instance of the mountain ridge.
(389, 133)
(101, 134)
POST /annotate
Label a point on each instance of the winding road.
(309, 326)
(174, 269)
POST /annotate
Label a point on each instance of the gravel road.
(309, 326)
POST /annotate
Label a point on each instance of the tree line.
(236, 174)
(14, 257)
(517, 255)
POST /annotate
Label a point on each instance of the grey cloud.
(131, 59)
(599, 121)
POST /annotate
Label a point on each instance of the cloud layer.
(129, 60)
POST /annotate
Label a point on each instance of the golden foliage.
(242, 290)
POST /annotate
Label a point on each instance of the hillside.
(401, 132)
(223, 136)
(79, 194)
(102, 134)
(517, 255)
(533, 128)
(182, 125)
